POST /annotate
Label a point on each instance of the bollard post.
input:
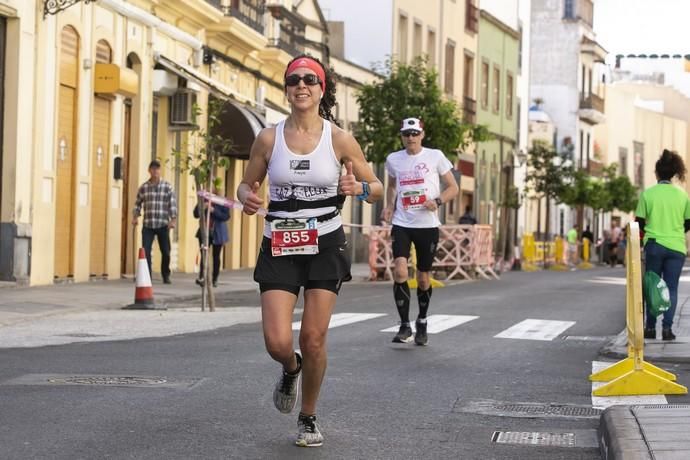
(558, 264)
(585, 264)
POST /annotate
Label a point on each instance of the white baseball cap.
(411, 124)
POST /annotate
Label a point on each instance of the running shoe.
(285, 392)
(650, 333)
(667, 334)
(420, 337)
(404, 335)
(308, 434)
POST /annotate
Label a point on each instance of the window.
(520, 49)
(417, 40)
(449, 84)
(471, 16)
(582, 147)
(509, 96)
(468, 76)
(496, 97)
(402, 38)
(485, 85)
(638, 153)
(589, 141)
(431, 48)
(584, 77)
(569, 10)
(589, 86)
(623, 161)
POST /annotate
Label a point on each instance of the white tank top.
(309, 177)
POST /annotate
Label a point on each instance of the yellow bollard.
(558, 264)
(585, 264)
(529, 253)
(633, 376)
(412, 282)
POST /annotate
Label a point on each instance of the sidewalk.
(651, 431)
(91, 312)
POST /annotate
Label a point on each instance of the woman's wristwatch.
(365, 191)
(438, 201)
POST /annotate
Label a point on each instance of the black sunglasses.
(410, 133)
(309, 79)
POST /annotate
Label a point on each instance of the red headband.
(311, 64)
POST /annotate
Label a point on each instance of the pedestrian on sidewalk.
(615, 236)
(304, 242)
(663, 213)
(217, 237)
(467, 218)
(413, 197)
(573, 246)
(156, 198)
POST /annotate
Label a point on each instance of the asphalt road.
(379, 400)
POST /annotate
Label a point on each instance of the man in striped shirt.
(157, 198)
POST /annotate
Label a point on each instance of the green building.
(497, 108)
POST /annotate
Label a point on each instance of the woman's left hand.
(348, 183)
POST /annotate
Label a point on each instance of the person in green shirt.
(663, 214)
(571, 236)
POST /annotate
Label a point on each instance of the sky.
(649, 27)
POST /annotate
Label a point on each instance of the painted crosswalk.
(602, 402)
(342, 319)
(536, 329)
(439, 323)
(616, 281)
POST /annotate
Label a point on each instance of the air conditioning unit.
(182, 110)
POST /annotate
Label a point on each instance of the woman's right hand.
(252, 202)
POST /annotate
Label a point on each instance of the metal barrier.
(633, 375)
(463, 251)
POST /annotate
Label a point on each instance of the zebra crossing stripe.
(608, 280)
(341, 319)
(535, 329)
(602, 402)
(438, 323)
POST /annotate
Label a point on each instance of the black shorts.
(325, 270)
(424, 239)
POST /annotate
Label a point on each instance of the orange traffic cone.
(143, 293)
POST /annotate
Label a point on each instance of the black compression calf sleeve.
(423, 297)
(401, 292)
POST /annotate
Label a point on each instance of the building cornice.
(498, 23)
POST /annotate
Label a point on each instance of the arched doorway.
(66, 142)
(100, 165)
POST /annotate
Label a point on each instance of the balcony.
(290, 47)
(471, 17)
(248, 12)
(595, 167)
(591, 108)
(469, 110)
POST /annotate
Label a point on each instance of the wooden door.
(100, 163)
(66, 142)
(126, 216)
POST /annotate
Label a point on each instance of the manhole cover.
(525, 410)
(104, 380)
(534, 438)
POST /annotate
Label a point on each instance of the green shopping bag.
(656, 294)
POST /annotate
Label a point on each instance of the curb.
(620, 436)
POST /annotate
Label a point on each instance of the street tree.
(410, 91)
(548, 176)
(202, 156)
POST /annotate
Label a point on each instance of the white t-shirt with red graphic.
(417, 179)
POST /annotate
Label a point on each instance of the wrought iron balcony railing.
(249, 12)
(469, 110)
(471, 16)
(592, 101)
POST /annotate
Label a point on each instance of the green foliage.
(610, 192)
(410, 91)
(547, 176)
(512, 198)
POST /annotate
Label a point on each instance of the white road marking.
(438, 323)
(535, 329)
(341, 319)
(608, 280)
(602, 402)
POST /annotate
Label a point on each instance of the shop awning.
(240, 123)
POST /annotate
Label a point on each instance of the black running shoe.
(285, 392)
(308, 434)
(650, 333)
(420, 337)
(667, 334)
(404, 335)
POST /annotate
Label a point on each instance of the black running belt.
(293, 204)
(322, 218)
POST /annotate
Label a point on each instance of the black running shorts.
(424, 239)
(325, 270)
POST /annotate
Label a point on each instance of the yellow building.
(107, 86)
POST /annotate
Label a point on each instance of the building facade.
(117, 88)
(567, 74)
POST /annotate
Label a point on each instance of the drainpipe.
(148, 19)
